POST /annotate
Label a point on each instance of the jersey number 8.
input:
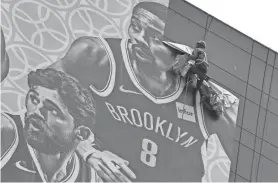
(148, 153)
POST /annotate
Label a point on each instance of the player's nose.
(142, 38)
(41, 111)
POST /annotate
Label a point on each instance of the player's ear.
(82, 132)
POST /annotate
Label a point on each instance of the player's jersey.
(18, 164)
(160, 137)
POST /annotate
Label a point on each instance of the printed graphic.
(185, 112)
(90, 92)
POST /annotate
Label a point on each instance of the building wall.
(248, 69)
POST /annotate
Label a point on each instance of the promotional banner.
(89, 93)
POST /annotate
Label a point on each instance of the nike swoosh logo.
(128, 91)
(19, 166)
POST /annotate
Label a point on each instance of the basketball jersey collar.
(157, 100)
(112, 74)
(71, 177)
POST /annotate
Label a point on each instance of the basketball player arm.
(105, 163)
(5, 62)
(9, 139)
(224, 126)
(87, 60)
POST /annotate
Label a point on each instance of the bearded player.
(18, 163)
(146, 113)
(52, 129)
(40, 145)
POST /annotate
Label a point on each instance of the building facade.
(250, 70)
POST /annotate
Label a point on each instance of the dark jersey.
(161, 137)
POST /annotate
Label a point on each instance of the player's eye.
(54, 112)
(52, 109)
(34, 99)
(156, 39)
(136, 26)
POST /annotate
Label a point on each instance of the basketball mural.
(93, 91)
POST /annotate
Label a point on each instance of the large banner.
(88, 94)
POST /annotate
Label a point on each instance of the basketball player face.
(49, 128)
(146, 34)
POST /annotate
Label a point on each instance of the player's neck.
(150, 68)
(54, 166)
(152, 77)
(151, 71)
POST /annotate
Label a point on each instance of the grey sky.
(255, 18)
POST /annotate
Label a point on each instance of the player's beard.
(44, 140)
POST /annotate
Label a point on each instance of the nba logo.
(185, 112)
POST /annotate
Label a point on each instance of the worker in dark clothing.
(196, 65)
(198, 62)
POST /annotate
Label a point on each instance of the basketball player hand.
(108, 166)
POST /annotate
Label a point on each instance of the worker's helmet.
(201, 44)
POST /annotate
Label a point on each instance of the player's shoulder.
(91, 61)
(95, 47)
(9, 138)
(87, 42)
